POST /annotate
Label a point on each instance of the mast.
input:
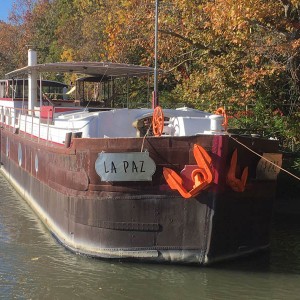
(155, 93)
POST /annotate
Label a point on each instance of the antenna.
(155, 93)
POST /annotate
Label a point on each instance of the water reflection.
(34, 266)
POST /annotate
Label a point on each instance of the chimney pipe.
(32, 80)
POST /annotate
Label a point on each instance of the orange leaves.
(67, 55)
(252, 76)
(126, 27)
(295, 44)
(221, 51)
(234, 20)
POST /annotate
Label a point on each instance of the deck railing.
(30, 122)
(22, 121)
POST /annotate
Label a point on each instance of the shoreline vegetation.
(244, 57)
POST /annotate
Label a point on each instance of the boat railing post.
(25, 125)
(48, 116)
(20, 119)
(14, 119)
(9, 118)
(31, 112)
(1, 113)
(17, 112)
(39, 127)
(40, 107)
(12, 123)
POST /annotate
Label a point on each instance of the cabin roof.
(87, 68)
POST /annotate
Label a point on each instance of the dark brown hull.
(143, 220)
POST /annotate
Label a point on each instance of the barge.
(148, 184)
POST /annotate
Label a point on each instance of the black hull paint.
(141, 221)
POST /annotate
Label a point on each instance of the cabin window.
(54, 90)
(18, 88)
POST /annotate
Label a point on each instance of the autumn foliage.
(241, 54)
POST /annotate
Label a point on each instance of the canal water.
(34, 266)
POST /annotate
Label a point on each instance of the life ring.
(158, 121)
(222, 111)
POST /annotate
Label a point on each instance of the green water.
(34, 266)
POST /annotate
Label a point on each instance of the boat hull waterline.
(144, 220)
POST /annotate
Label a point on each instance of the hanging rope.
(280, 168)
(145, 136)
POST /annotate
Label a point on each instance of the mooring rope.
(145, 136)
(280, 168)
(242, 144)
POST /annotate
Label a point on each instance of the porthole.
(7, 146)
(20, 154)
(36, 163)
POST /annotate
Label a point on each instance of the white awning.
(86, 68)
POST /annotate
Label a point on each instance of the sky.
(5, 8)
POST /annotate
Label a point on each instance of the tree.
(217, 53)
(9, 36)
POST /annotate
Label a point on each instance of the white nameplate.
(126, 166)
(266, 170)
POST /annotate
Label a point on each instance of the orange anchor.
(238, 185)
(201, 176)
